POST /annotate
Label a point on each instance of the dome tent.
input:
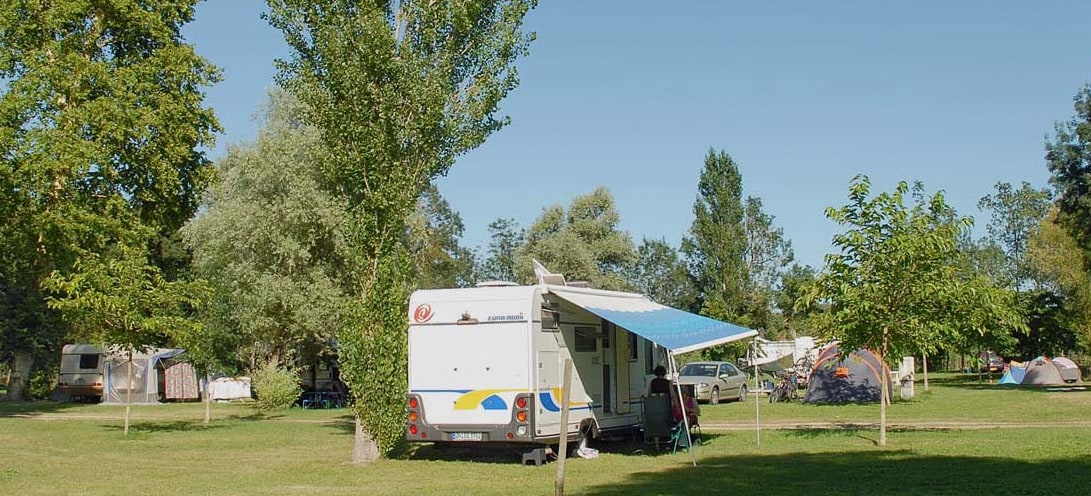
(853, 378)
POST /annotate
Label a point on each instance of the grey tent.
(1042, 372)
(1070, 372)
(846, 379)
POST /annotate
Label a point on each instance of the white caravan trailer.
(486, 363)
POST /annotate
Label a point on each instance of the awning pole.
(757, 396)
(682, 403)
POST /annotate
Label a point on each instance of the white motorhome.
(486, 363)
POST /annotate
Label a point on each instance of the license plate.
(467, 436)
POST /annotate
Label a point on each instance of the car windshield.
(705, 369)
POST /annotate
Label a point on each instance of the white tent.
(144, 385)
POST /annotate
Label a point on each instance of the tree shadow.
(858, 472)
(171, 426)
(41, 407)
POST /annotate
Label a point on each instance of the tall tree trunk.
(19, 376)
(364, 447)
(129, 393)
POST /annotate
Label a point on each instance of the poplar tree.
(398, 90)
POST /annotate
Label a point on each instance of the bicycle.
(785, 390)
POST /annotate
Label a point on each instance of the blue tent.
(1013, 375)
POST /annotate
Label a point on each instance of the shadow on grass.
(859, 472)
(172, 426)
(512, 454)
(13, 408)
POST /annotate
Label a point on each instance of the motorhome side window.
(89, 361)
(585, 339)
(550, 320)
(633, 347)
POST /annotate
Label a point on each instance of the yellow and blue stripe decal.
(490, 399)
(550, 399)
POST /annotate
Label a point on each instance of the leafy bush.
(277, 387)
(43, 382)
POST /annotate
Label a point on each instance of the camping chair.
(657, 420)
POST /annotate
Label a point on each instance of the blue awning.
(674, 329)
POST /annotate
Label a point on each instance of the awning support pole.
(682, 403)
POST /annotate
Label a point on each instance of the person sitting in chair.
(690, 402)
(660, 385)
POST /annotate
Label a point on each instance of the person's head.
(660, 371)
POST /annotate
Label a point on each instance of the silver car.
(714, 381)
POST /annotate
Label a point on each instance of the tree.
(1015, 215)
(119, 299)
(433, 241)
(1068, 158)
(896, 286)
(794, 284)
(582, 242)
(269, 241)
(397, 91)
(661, 275)
(767, 254)
(716, 246)
(101, 116)
(505, 239)
(1057, 260)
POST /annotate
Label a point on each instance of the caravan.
(486, 363)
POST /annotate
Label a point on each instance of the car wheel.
(742, 392)
(714, 396)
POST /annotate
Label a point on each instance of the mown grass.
(79, 449)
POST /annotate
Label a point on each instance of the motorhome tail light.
(413, 402)
(413, 416)
(413, 429)
(511, 436)
(521, 402)
(521, 416)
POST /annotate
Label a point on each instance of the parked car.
(714, 381)
(990, 362)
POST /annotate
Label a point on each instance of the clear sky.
(803, 94)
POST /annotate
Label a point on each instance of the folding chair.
(657, 420)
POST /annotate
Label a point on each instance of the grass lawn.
(79, 449)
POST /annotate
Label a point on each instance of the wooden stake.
(563, 448)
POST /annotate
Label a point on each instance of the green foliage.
(397, 91)
(794, 284)
(43, 381)
(582, 242)
(102, 129)
(277, 387)
(897, 285)
(121, 299)
(716, 247)
(270, 243)
(1015, 216)
(1059, 262)
(505, 239)
(767, 253)
(1068, 157)
(432, 237)
(662, 276)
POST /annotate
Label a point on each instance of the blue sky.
(804, 95)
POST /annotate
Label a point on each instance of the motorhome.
(486, 363)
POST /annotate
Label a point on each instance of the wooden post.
(563, 448)
(129, 393)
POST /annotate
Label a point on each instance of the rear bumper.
(515, 431)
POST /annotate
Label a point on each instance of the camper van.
(486, 364)
(81, 372)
